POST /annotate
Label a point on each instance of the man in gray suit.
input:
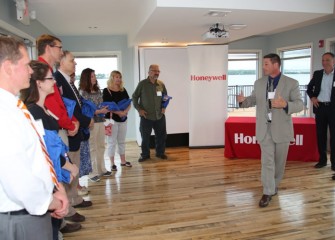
(277, 97)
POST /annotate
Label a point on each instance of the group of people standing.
(46, 146)
(49, 147)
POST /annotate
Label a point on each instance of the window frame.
(258, 52)
(296, 47)
(102, 54)
(328, 43)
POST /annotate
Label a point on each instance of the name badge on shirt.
(271, 95)
(159, 93)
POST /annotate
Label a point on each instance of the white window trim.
(16, 31)
(305, 45)
(327, 43)
(24, 36)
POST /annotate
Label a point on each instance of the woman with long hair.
(115, 92)
(41, 85)
(89, 89)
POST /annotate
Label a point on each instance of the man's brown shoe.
(70, 227)
(265, 200)
(83, 204)
(76, 218)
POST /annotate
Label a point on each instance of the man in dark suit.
(277, 97)
(321, 92)
(62, 75)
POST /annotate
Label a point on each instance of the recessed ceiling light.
(217, 13)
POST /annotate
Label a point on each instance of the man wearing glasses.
(49, 49)
(147, 99)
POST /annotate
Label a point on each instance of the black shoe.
(76, 218)
(142, 159)
(83, 204)
(107, 174)
(333, 177)
(114, 167)
(333, 168)
(163, 156)
(320, 165)
(94, 179)
(70, 227)
(126, 164)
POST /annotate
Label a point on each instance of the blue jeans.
(159, 127)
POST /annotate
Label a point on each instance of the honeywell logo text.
(208, 78)
(240, 138)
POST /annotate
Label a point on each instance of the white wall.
(173, 63)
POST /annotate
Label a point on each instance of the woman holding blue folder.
(115, 92)
(89, 90)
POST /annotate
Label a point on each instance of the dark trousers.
(55, 227)
(324, 118)
(159, 127)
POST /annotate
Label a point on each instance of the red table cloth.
(240, 139)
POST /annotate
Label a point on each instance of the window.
(330, 45)
(29, 44)
(243, 68)
(102, 63)
(296, 63)
(243, 71)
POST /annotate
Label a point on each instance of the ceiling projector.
(215, 31)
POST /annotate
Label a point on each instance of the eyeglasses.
(49, 78)
(60, 47)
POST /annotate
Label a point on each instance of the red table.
(240, 139)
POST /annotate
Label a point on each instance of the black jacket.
(84, 121)
(314, 87)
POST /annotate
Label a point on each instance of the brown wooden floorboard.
(199, 194)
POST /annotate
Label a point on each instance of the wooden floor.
(199, 194)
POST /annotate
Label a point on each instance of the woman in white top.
(115, 92)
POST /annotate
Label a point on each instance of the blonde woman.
(115, 92)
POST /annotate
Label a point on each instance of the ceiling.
(176, 22)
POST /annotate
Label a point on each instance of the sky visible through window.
(242, 68)
(296, 63)
(102, 66)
